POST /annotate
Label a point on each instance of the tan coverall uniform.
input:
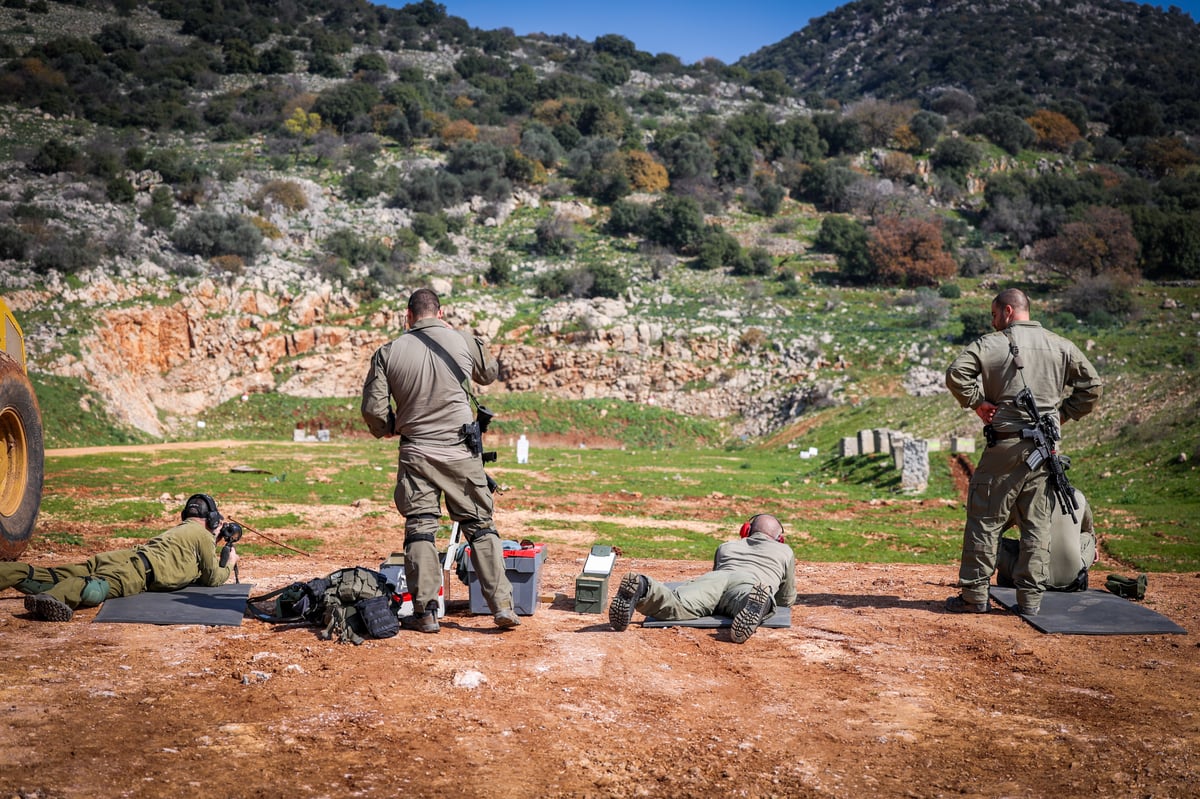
(1072, 549)
(431, 408)
(1003, 484)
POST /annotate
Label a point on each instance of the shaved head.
(766, 523)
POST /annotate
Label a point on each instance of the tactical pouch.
(378, 617)
(1127, 587)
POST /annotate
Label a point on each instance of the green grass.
(844, 510)
(65, 423)
(638, 462)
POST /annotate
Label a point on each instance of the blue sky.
(690, 29)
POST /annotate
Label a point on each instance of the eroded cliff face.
(159, 363)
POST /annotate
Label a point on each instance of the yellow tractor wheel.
(21, 464)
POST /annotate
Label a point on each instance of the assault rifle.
(1044, 433)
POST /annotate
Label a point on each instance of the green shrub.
(14, 243)
(160, 213)
(717, 248)
(975, 323)
(556, 235)
(66, 254)
(499, 271)
(210, 234)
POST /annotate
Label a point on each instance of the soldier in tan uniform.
(1072, 549)
(985, 378)
(751, 576)
(182, 556)
(427, 372)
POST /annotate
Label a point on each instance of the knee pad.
(32, 586)
(474, 536)
(95, 592)
(413, 538)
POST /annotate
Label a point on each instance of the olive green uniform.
(434, 462)
(1003, 485)
(182, 556)
(738, 566)
(1072, 548)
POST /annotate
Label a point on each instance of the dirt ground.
(873, 691)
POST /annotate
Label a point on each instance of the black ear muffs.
(202, 506)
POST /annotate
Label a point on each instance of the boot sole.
(746, 622)
(47, 608)
(620, 610)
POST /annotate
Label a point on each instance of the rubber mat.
(782, 617)
(1092, 612)
(220, 606)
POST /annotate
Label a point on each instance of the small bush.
(600, 280)
(160, 213)
(752, 340)
(718, 248)
(499, 271)
(932, 310)
(14, 243)
(976, 262)
(56, 156)
(354, 249)
(1101, 301)
(230, 264)
(66, 254)
(119, 190)
(285, 193)
(756, 263)
(210, 234)
(975, 323)
(556, 236)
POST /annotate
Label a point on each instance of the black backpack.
(349, 605)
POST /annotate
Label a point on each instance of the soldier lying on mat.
(182, 556)
(751, 576)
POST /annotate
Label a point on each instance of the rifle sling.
(444, 357)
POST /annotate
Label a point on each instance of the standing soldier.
(426, 372)
(986, 377)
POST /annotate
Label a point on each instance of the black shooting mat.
(782, 617)
(220, 606)
(1092, 612)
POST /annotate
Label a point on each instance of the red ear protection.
(747, 528)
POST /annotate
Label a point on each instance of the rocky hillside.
(1116, 59)
(198, 206)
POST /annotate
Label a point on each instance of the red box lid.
(529, 552)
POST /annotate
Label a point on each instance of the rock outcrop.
(160, 364)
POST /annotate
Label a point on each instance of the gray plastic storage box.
(524, 570)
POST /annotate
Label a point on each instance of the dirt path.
(873, 691)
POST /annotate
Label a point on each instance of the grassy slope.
(1145, 498)
(1135, 457)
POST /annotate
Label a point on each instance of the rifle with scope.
(1044, 433)
(230, 533)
